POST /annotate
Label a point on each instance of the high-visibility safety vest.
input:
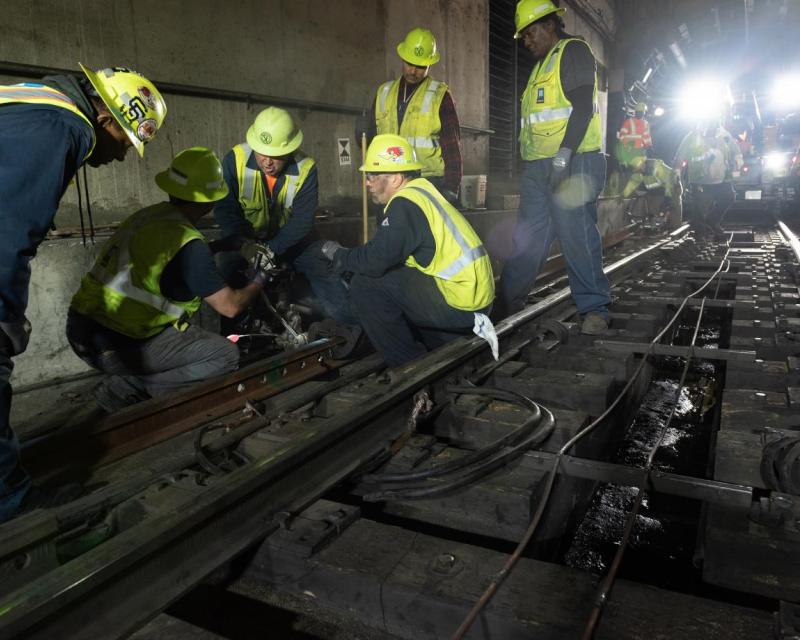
(123, 289)
(635, 133)
(546, 110)
(421, 125)
(32, 93)
(254, 198)
(460, 265)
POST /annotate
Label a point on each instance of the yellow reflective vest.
(546, 110)
(123, 290)
(460, 265)
(32, 93)
(254, 197)
(421, 124)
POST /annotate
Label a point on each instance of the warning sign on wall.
(344, 152)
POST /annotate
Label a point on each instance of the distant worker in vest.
(634, 134)
(425, 278)
(422, 110)
(563, 170)
(273, 198)
(661, 186)
(130, 316)
(707, 157)
(48, 130)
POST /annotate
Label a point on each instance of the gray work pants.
(168, 362)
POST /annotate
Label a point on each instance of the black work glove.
(14, 336)
(559, 171)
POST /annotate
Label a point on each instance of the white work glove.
(329, 249)
(264, 258)
(484, 328)
(14, 336)
(560, 168)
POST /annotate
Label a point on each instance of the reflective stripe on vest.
(460, 266)
(30, 93)
(421, 125)
(468, 255)
(122, 291)
(252, 194)
(546, 110)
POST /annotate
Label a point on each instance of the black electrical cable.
(472, 473)
(88, 203)
(780, 465)
(80, 207)
(477, 456)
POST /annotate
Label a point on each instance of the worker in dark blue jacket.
(48, 130)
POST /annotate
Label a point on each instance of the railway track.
(399, 497)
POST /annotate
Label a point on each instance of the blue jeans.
(14, 482)
(571, 216)
(405, 314)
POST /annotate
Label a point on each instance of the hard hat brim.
(412, 59)
(557, 10)
(410, 166)
(271, 150)
(108, 101)
(184, 192)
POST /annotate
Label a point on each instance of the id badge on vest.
(540, 95)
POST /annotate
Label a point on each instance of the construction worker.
(273, 197)
(48, 130)
(634, 134)
(129, 318)
(425, 278)
(563, 169)
(707, 157)
(660, 180)
(421, 110)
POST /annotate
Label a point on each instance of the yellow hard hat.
(529, 11)
(390, 153)
(274, 133)
(194, 175)
(640, 107)
(419, 48)
(132, 99)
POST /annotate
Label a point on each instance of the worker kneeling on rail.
(425, 278)
(272, 199)
(129, 319)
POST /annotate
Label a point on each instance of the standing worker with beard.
(563, 170)
(48, 130)
(421, 110)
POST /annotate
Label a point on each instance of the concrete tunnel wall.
(336, 53)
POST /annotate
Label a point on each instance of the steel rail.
(113, 589)
(791, 238)
(98, 442)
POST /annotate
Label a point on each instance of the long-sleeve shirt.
(41, 149)
(403, 232)
(229, 215)
(449, 136)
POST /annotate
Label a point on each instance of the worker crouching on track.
(425, 278)
(129, 319)
(48, 130)
(273, 197)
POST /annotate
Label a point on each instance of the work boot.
(594, 324)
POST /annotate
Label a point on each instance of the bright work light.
(704, 99)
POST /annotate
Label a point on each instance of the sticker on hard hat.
(392, 154)
(132, 109)
(420, 51)
(147, 130)
(148, 97)
(266, 138)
